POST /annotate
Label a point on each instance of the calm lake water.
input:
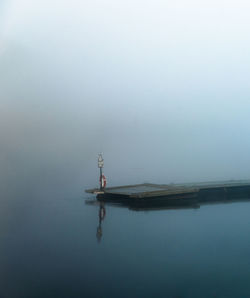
(49, 248)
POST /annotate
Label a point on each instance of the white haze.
(160, 87)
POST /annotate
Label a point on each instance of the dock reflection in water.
(153, 207)
(102, 210)
(170, 251)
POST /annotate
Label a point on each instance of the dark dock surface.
(175, 194)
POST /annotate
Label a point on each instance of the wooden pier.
(156, 195)
(174, 194)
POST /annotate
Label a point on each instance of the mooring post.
(100, 166)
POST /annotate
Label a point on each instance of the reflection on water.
(58, 246)
(102, 213)
(174, 252)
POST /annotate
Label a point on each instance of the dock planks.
(148, 190)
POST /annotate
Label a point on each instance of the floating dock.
(174, 194)
(157, 195)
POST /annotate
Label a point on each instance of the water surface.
(54, 245)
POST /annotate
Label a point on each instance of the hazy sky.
(160, 87)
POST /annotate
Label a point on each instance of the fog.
(160, 87)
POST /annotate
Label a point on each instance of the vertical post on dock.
(100, 166)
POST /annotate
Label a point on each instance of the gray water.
(49, 246)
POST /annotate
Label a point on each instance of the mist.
(159, 87)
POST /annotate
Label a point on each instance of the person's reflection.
(102, 213)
